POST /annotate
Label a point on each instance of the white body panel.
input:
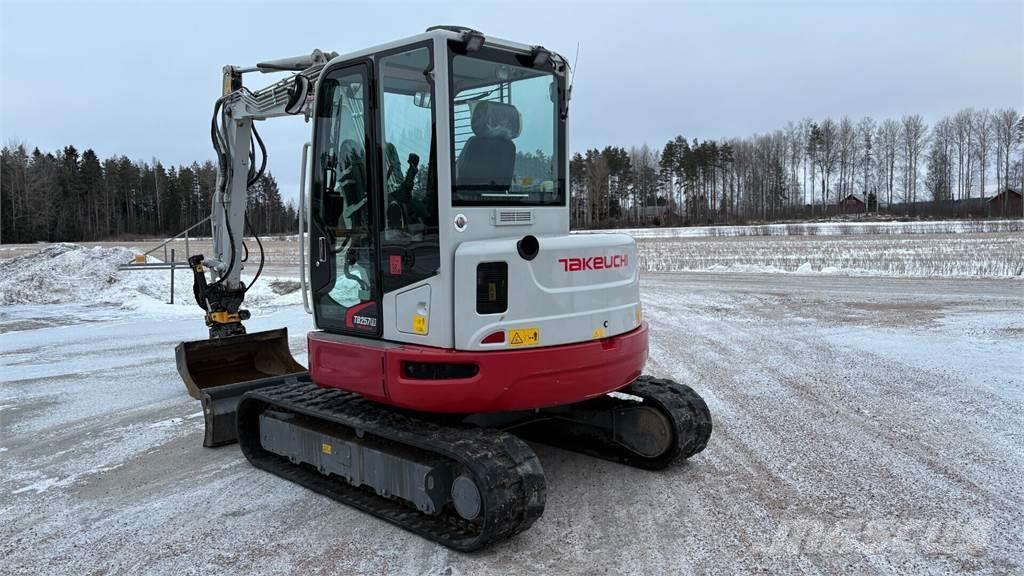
(558, 294)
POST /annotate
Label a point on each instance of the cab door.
(343, 208)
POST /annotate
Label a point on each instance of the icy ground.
(862, 425)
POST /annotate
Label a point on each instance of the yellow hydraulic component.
(222, 317)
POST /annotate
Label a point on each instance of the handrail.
(302, 221)
(175, 237)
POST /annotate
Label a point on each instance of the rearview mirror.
(422, 100)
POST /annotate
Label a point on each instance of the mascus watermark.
(801, 536)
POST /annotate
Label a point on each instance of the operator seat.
(488, 158)
(352, 180)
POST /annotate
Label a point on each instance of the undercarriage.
(464, 482)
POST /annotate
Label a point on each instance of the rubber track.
(687, 410)
(690, 417)
(506, 470)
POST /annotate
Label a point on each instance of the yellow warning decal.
(419, 324)
(524, 337)
(326, 448)
(598, 333)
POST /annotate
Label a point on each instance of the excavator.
(456, 317)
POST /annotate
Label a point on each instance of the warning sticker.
(524, 337)
(598, 333)
(419, 324)
(326, 448)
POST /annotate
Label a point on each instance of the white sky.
(140, 79)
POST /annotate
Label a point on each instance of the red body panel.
(359, 365)
(507, 380)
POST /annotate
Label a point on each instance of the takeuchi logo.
(594, 263)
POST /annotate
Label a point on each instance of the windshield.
(506, 131)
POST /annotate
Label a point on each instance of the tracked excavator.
(455, 315)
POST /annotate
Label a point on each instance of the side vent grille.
(491, 287)
(513, 217)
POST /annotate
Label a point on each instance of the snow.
(947, 248)
(825, 229)
(969, 255)
(68, 273)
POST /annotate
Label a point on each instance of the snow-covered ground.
(829, 229)
(970, 255)
(962, 248)
(862, 424)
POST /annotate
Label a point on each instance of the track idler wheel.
(651, 424)
(689, 414)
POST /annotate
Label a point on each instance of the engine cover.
(578, 287)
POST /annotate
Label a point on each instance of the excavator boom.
(220, 369)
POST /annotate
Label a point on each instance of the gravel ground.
(861, 425)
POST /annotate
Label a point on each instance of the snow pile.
(72, 274)
(65, 273)
(827, 229)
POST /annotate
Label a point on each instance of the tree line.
(71, 196)
(809, 169)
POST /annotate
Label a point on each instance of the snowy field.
(959, 248)
(970, 255)
(962, 248)
(830, 229)
(862, 425)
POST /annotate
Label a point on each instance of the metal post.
(187, 253)
(172, 275)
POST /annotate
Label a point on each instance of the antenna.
(573, 69)
(564, 112)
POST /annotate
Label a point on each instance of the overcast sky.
(140, 79)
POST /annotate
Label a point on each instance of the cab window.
(409, 235)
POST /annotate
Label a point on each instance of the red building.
(852, 203)
(1007, 203)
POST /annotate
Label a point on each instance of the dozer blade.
(220, 406)
(220, 370)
